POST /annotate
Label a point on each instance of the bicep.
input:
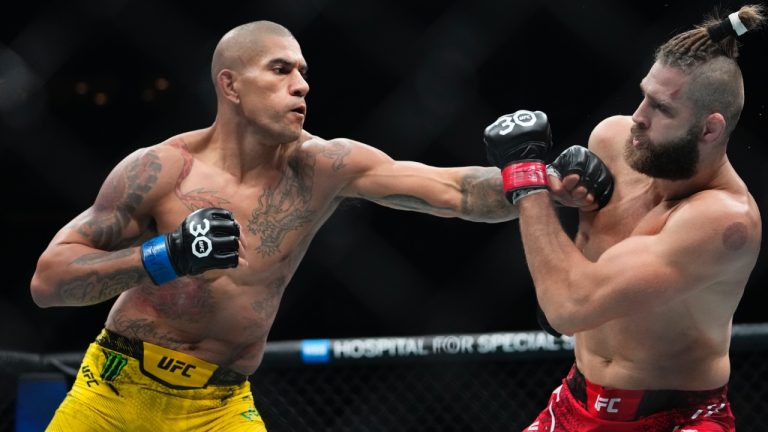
(634, 276)
(119, 214)
(646, 272)
(472, 193)
(409, 186)
(404, 185)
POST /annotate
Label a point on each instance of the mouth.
(301, 109)
(637, 138)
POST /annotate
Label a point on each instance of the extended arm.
(472, 193)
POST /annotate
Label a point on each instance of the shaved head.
(242, 44)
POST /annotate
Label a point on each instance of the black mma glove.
(517, 143)
(594, 174)
(207, 239)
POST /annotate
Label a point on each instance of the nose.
(639, 116)
(299, 86)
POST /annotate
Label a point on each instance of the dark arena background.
(84, 83)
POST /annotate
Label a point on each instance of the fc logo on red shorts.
(608, 403)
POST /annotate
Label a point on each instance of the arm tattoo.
(406, 202)
(196, 198)
(94, 287)
(286, 207)
(102, 257)
(336, 151)
(483, 195)
(118, 200)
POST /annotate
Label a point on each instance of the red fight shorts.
(579, 405)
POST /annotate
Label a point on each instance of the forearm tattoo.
(102, 257)
(196, 198)
(407, 202)
(483, 195)
(120, 196)
(286, 207)
(94, 287)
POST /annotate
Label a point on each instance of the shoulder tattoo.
(336, 151)
(196, 198)
(118, 199)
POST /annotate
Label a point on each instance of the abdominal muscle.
(213, 319)
(643, 353)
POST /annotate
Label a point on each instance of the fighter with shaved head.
(199, 235)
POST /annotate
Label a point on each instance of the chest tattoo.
(195, 198)
(183, 300)
(285, 207)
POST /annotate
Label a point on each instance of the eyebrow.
(303, 67)
(662, 103)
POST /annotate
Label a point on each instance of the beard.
(674, 159)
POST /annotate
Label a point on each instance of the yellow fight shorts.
(128, 385)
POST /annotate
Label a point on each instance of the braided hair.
(708, 53)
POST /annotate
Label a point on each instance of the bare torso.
(684, 344)
(224, 316)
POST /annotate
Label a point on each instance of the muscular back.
(681, 342)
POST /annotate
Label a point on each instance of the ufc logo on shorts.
(172, 365)
(201, 246)
(608, 404)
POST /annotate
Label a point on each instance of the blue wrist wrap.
(154, 256)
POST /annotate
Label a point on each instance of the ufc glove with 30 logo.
(207, 239)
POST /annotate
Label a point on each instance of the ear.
(714, 128)
(226, 81)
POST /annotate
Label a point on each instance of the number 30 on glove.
(207, 239)
(517, 143)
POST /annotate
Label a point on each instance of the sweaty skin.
(650, 284)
